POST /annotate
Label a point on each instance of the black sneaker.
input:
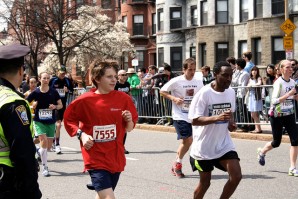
(126, 152)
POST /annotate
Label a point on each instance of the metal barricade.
(76, 92)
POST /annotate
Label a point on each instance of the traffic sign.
(135, 62)
(288, 43)
(287, 26)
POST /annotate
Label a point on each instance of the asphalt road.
(147, 173)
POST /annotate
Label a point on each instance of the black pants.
(243, 116)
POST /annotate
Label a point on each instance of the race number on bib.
(217, 109)
(61, 92)
(45, 114)
(287, 106)
(105, 133)
(185, 106)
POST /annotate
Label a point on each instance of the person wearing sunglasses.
(124, 86)
(18, 168)
(294, 64)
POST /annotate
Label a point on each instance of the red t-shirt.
(100, 115)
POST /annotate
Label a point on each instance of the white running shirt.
(211, 141)
(185, 89)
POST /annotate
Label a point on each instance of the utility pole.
(286, 10)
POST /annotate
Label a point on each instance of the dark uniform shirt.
(57, 83)
(22, 150)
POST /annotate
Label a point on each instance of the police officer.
(64, 87)
(18, 170)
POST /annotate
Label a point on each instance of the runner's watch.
(79, 134)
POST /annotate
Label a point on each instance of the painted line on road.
(68, 148)
(128, 158)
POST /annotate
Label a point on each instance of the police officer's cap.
(13, 51)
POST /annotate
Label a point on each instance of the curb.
(266, 136)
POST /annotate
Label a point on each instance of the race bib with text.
(104, 133)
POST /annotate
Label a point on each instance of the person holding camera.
(282, 114)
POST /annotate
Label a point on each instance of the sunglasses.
(293, 64)
(123, 74)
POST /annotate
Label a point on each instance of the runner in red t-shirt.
(100, 119)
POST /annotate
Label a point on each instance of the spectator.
(135, 90)
(232, 62)
(294, 63)
(277, 72)
(269, 79)
(255, 104)
(25, 83)
(207, 76)
(242, 114)
(247, 57)
(124, 86)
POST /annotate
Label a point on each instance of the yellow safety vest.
(7, 96)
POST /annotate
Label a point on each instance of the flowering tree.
(103, 40)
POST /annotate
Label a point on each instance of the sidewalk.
(265, 136)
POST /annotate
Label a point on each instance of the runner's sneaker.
(38, 154)
(45, 171)
(58, 149)
(177, 170)
(293, 172)
(261, 157)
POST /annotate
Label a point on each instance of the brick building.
(140, 19)
(224, 28)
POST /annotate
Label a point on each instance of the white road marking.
(71, 149)
(128, 158)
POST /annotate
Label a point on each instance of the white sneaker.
(58, 149)
(293, 172)
(45, 171)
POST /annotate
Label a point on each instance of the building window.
(124, 20)
(105, 4)
(140, 57)
(160, 57)
(258, 8)
(193, 52)
(79, 3)
(137, 1)
(203, 54)
(194, 15)
(138, 25)
(278, 7)
(160, 19)
(175, 18)
(222, 11)
(204, 13)
(278, 52)
(153, 24)
(243, 10)
(176, 58)
(257, 51)
(125, 60)
(242, 47)
(123, 1)
(221, 51)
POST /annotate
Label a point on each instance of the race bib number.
(287, 106)
(45, 114)
(185, 106)
(105, 133)
(61, 92)
(217, 109)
